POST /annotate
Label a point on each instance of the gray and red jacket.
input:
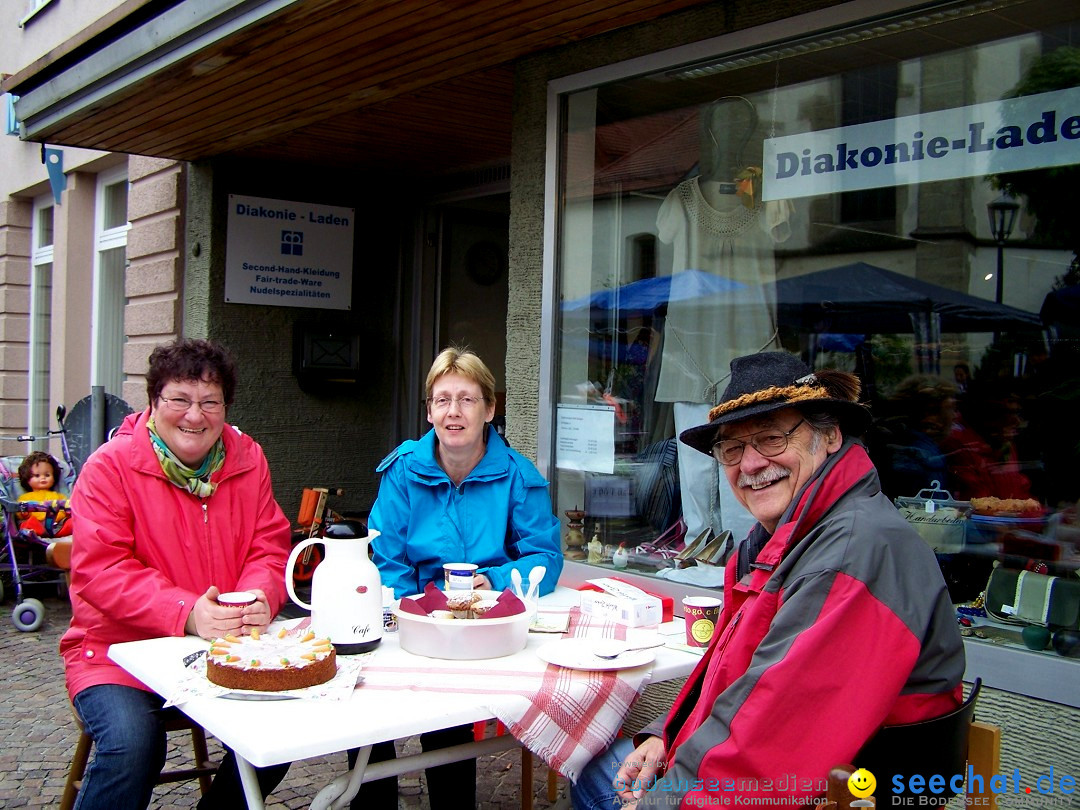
(842, 624)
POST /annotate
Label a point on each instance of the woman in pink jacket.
(174, 510)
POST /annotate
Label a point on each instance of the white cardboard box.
(621, 603)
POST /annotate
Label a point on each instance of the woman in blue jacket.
(458, 494)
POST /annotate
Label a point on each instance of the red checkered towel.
(565, 716)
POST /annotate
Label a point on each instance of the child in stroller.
(38, 474)
(32, 520)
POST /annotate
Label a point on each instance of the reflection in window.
(671, 263)
(869, 94)
(642, 256)
(106, 368)
(114, 200)
(43, 227)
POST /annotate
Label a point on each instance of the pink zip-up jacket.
(145, 550)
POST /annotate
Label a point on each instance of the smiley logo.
(862, 783)
(702, 631)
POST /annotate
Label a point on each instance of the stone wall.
(156, 210)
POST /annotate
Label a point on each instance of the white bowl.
(463, 639)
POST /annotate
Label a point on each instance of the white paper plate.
(577, 653)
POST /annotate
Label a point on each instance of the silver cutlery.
(607, 656)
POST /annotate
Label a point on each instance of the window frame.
(109, 299)
(39, 360)
(35, 8)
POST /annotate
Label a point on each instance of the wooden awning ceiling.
(413, 86)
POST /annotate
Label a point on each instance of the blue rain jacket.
(499, 518)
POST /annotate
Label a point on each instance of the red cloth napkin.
(433, 599)
(506, 605)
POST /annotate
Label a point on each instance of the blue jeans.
(129, 753)
(595, 788)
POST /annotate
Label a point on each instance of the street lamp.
(1002, 213)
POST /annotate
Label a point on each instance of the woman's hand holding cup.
(238, 613)
(256, 614)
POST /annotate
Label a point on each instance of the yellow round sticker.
(702, 631)
(861, 783)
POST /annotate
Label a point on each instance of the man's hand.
(639, 770)
(257, 616)
(210, 620)
(480, 582)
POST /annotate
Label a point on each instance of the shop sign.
(289, 254)
(585, 438)
(1001, 136)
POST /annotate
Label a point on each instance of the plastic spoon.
(515, 578)
(536, 576)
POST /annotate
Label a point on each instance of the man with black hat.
(836, 620)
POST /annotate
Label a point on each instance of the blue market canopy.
(648, 295)
(860, 298)
(1061, 308)
(856, 298)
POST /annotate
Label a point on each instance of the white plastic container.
(463, 639)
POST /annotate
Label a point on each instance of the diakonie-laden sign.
(288, 254)
(999, 136)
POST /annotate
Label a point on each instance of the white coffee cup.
(236, 599)
(459, 576)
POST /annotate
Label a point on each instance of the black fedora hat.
(769, 381)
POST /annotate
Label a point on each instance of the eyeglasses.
(465, 403)
(768, 443)
(181, 404)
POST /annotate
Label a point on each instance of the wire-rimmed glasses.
(181, 404)
(466, 403)
(770, 442)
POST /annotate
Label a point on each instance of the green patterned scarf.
(197, 482)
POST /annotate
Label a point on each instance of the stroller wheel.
(28, 615)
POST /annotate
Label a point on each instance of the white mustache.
(773, 472)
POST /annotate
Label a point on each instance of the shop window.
(773, 199)
(110, 266)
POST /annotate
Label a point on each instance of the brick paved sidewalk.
(37, 737)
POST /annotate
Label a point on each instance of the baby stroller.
(24, 549)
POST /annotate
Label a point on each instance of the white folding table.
(263, 733)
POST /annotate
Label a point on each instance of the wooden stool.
(203, 770)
